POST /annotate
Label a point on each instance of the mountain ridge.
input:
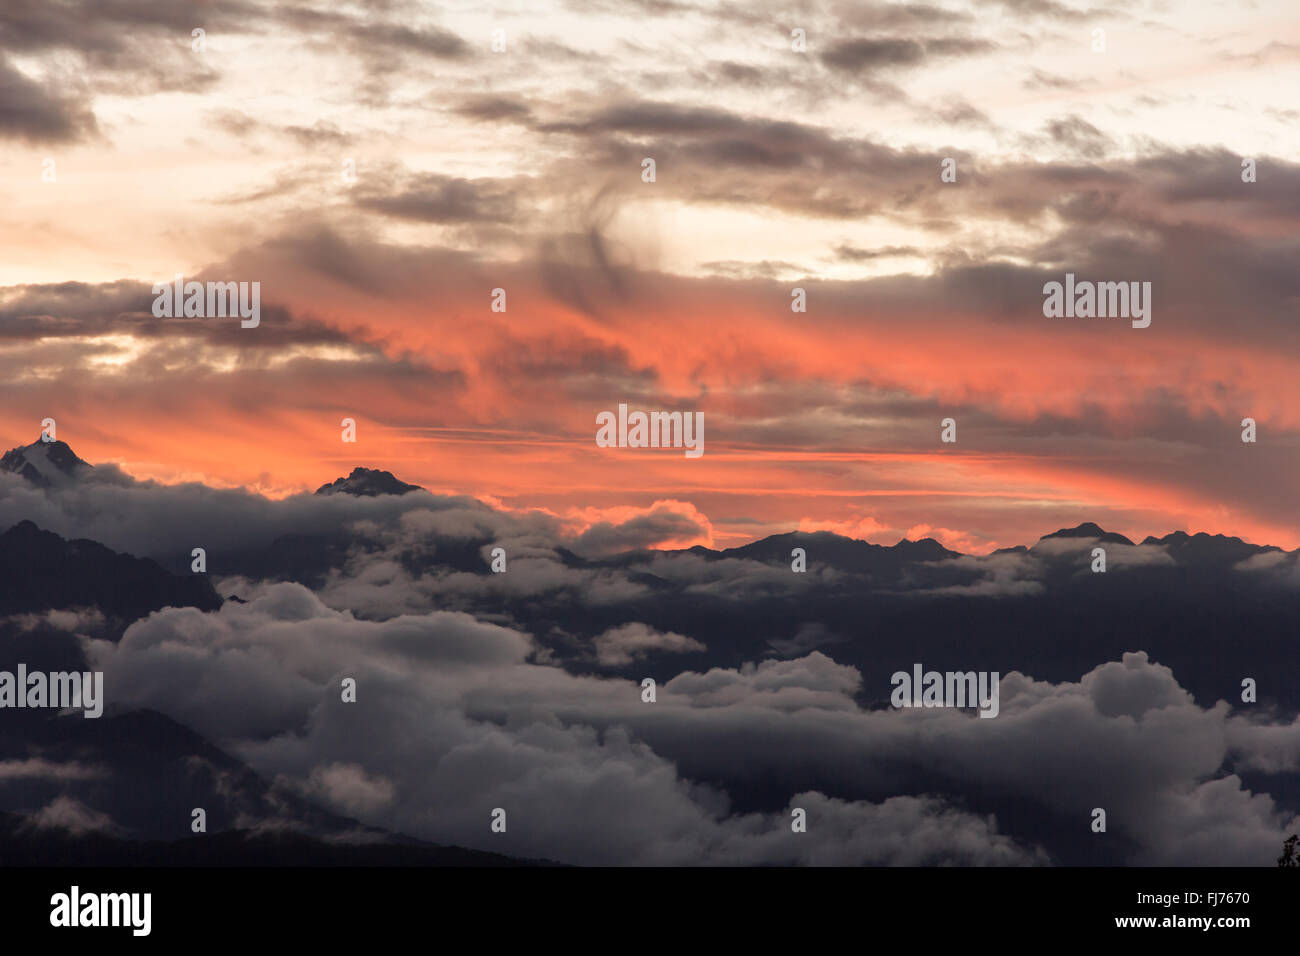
(41, 570)
(52, 464)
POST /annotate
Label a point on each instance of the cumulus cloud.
(455, 717)
(349, 789)
(664, 523)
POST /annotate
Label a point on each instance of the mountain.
(147, 774)
(823, 548)
(1207, 549)
(368, 483)
(21, 844)
(1088, 530)
(40, 571)
(834, 549)
(45, 464)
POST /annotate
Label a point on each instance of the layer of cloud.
(453, 720)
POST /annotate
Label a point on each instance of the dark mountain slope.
(40, 571)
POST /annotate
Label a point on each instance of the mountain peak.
(368, 483)
(1206, 548)
(24, 529)
(45, 464)
(923, 549)
(1088, 529)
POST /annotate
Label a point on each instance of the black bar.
(218, 904)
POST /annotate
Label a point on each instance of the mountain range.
(1038, 608)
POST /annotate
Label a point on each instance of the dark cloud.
(873, 53)
(1042, 80)
(748, 270)
(963, 114)
(374, 38)
(244, 127)
(429, 197)
(495, 108)
(131, 48)
(665, 521)
(850, 253)
(501, 730)
(1080, 136)
(32, 26)
(33, 112)
(1050, 9)
(713, 155)
(867, 53)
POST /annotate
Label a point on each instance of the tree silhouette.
(1290, 851)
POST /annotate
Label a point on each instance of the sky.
(380, 169)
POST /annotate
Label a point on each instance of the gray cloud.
(586, 770)
(68, 813)
(443, 199)
(628, 642)
(870, 53)
(31, 111)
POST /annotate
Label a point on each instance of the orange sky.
(777, 170)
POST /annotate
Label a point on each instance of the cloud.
(348, 789)
(569, 793)
(870, 53)
(150, 519)
(430, 197)
(29, 111)
(998, 575)
(89, 621)
(1080, 136)
(495, 108)
(67, 813)
(664, 523)
(626, 643)
(508, 386)
(899, 831)
(456, 717)
(36, 768)
(810, 636)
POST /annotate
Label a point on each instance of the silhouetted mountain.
(368, 483)
(1208, 549)
(1088, 530)
(45, 464)
(839, 551)
(309, 558)
(41, 571)
(1041, 610)
(23, 845)
(148, 773)
(880, 563)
